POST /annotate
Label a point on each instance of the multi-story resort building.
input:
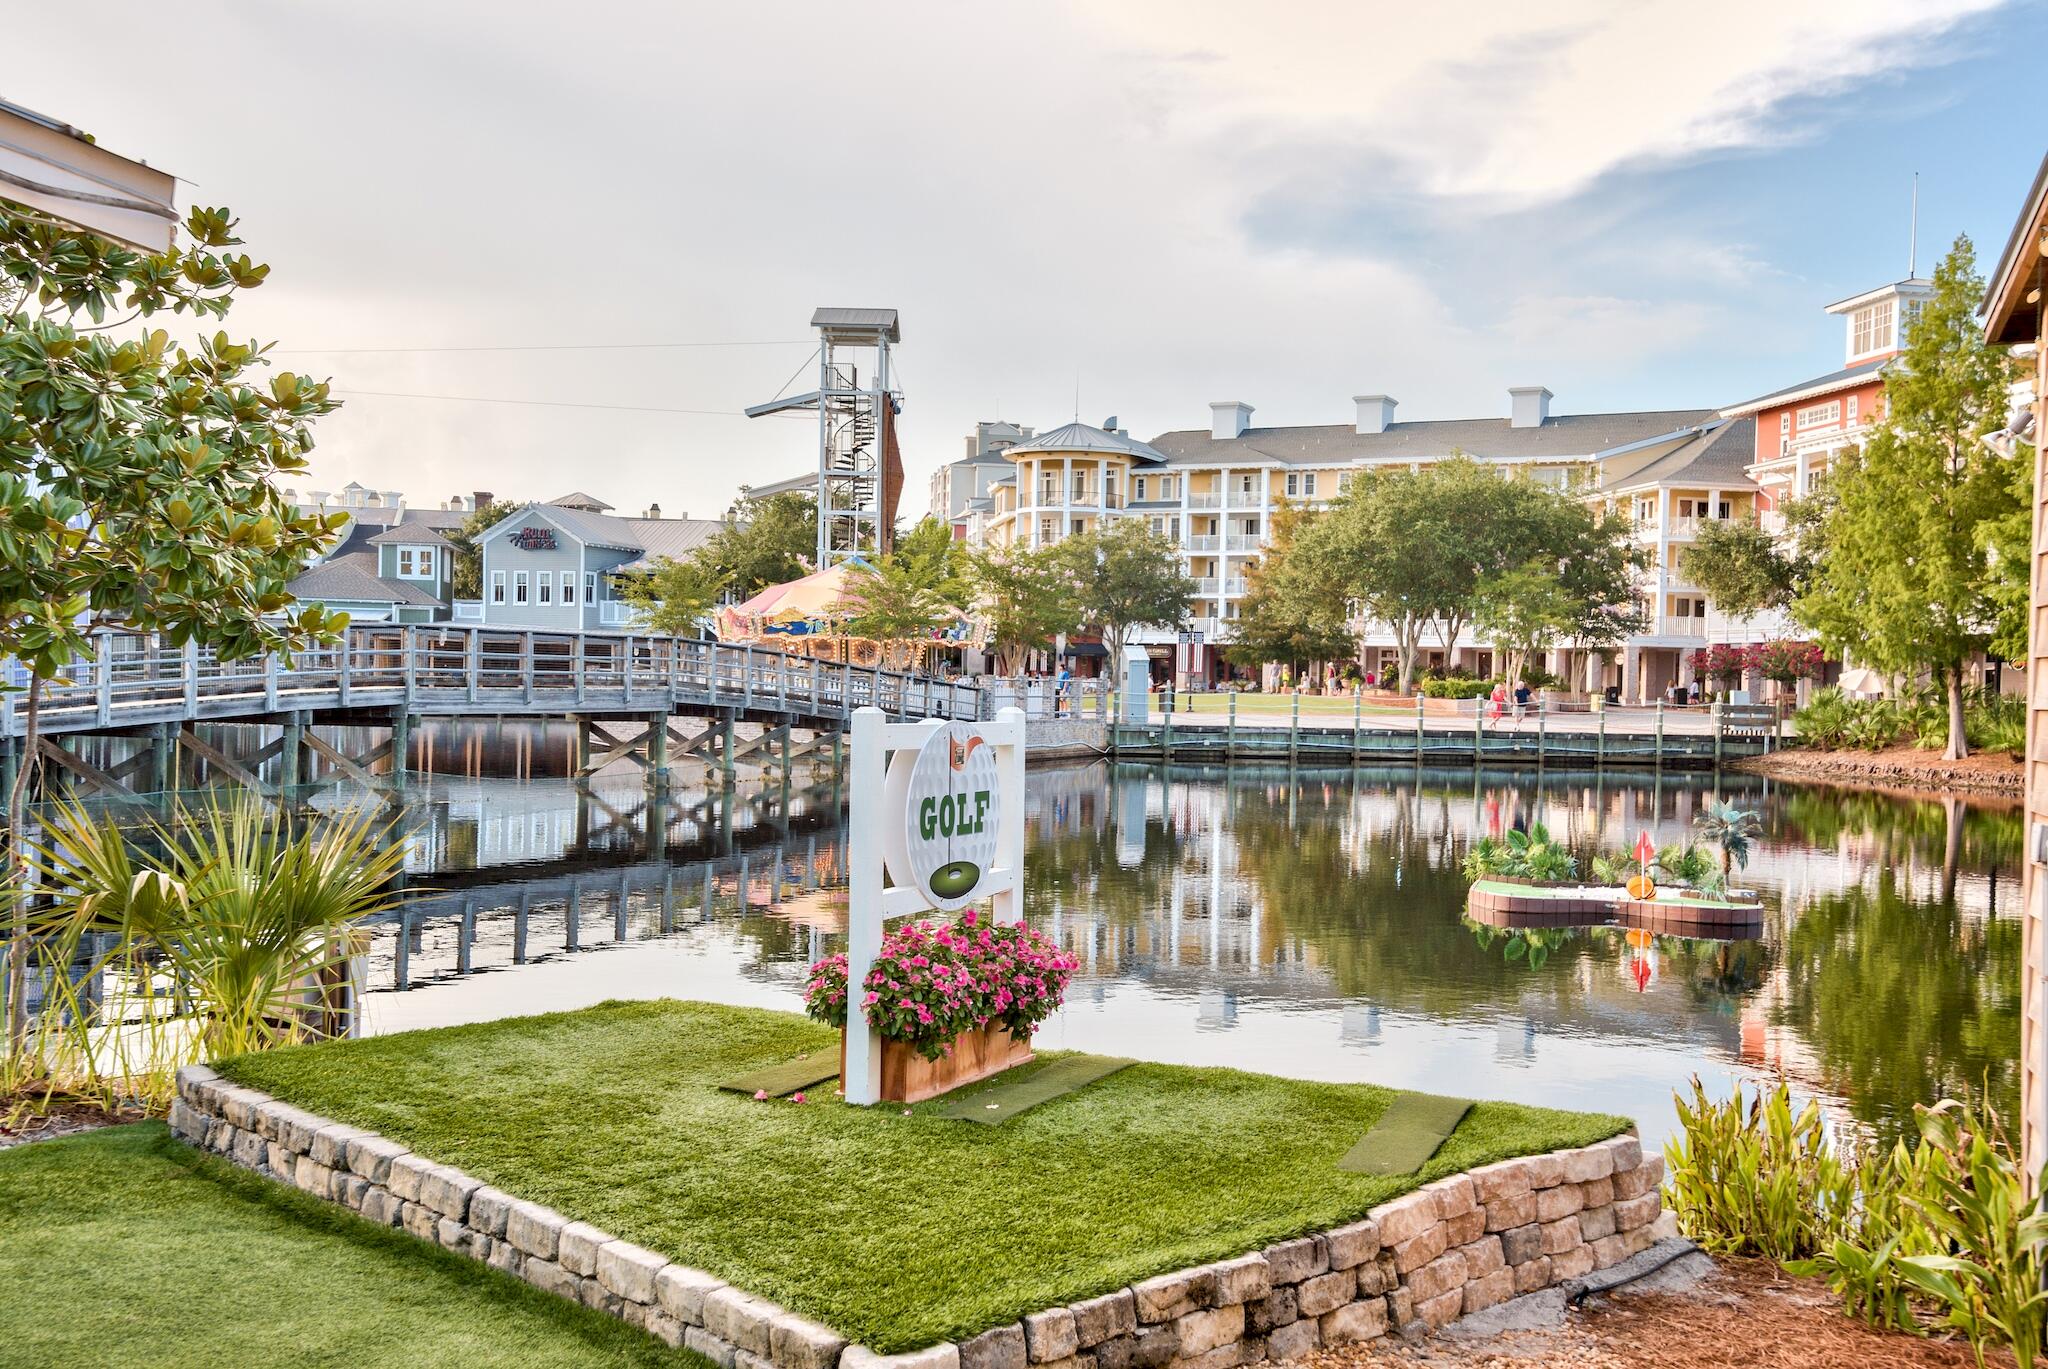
(1213, 492)
(962, 489)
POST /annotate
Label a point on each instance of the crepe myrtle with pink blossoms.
(934, 980)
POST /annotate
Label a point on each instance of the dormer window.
(1870, 329)
(416, 563)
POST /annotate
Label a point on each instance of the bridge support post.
(163, 760)
(579, 749)
(290, 761)
(657, 752)
(725, 776)
(401, 746)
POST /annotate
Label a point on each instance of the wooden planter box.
(908, 1077)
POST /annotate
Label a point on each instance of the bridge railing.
(135, 679)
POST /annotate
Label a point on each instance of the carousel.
(809, 617)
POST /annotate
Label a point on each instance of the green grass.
(897, 1230)
(123, 1247)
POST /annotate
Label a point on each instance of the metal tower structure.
(860, 468)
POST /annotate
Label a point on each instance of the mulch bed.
(28, 1120)
(1900, 769)
(1749, 1315)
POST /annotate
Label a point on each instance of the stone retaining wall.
(1451, 1248)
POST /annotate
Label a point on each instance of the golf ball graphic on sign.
(951, 813)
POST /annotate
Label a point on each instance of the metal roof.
(353, 578)
(577, 499)
(882, 321)
(1085, 437)
(1562, 437)
(1819, 385)
(1719, 456)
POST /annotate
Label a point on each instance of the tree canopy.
(676, 595)
(1028, 597)
(1293, 611)
(137, 476)
(1129, 577)
(1741, 566)
(765, 541)
(1905, 581)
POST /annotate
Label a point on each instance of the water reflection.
(1312, 925)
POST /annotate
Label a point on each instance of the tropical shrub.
(1690, 864)
(1533, 854)
(1831, 721)
(1940, 1234)
(1730, 828)
(212, 930)
(933, 981)
(1456, 687)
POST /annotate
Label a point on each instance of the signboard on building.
(533, 539)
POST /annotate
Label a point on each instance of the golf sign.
(949, 794)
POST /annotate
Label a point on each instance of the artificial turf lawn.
(896, 1230)
(123, 1247)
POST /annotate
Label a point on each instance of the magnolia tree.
(136, 474)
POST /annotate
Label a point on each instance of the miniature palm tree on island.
(1732, 829)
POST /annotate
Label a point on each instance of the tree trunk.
(17, 871)
(1952, 847)
(1958, 737)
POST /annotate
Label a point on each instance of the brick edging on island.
(1448, 1249)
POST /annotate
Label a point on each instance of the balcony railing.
(1206, 586)
(1234, 585)
(617, 613)
(1243, 541)
(1205, 541)
(467, 610)
(1206, 500)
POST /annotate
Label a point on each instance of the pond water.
(1309, 925)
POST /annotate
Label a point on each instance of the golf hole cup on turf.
(950, 796)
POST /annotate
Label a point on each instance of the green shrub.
(1831, 721)
(1941, 1234)
(1456, 687)
(1533, 854)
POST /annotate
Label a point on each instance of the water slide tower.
(860, 467)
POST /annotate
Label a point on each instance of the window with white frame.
(497, 586)
(568, 586)
(590, 587)
(1247, 484)
(1646, 511)
(1852, 410)
(1137, 487)
(546, 588)
(518, 586)
(1048, 529)
(405, 562)
(1871, 329)
(1820, 415)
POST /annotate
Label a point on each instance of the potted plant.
(954, 1002)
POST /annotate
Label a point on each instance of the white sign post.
(937, 828)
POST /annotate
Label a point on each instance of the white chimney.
(1528, 406)
(1375, 413)
(1229, 418)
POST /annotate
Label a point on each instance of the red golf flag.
(1644, 850)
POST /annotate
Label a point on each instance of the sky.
(1131, 208)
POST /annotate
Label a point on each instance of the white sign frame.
(872, 824)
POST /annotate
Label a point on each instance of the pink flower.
(797, 1097)
(760, 1095)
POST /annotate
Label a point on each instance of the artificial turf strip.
(1008, 1097)
(123, 1247)
(1406, 1135)
(779, 1081)
(898, 1230)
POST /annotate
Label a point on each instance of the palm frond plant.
(1732, 829)
(223, 920)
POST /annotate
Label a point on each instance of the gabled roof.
(579, 500)
(651, 538)
(408, 535)
(673, 538)
(2006, 316)
(1848, 378)
(1563, 437)
(353, 578)
(1718, 456)
(1085, 437)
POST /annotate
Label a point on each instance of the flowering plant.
(1720, 661)
(1785, 662)
(932, 981)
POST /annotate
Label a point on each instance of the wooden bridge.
(385, 677)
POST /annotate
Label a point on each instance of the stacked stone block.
(1449, 1249)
